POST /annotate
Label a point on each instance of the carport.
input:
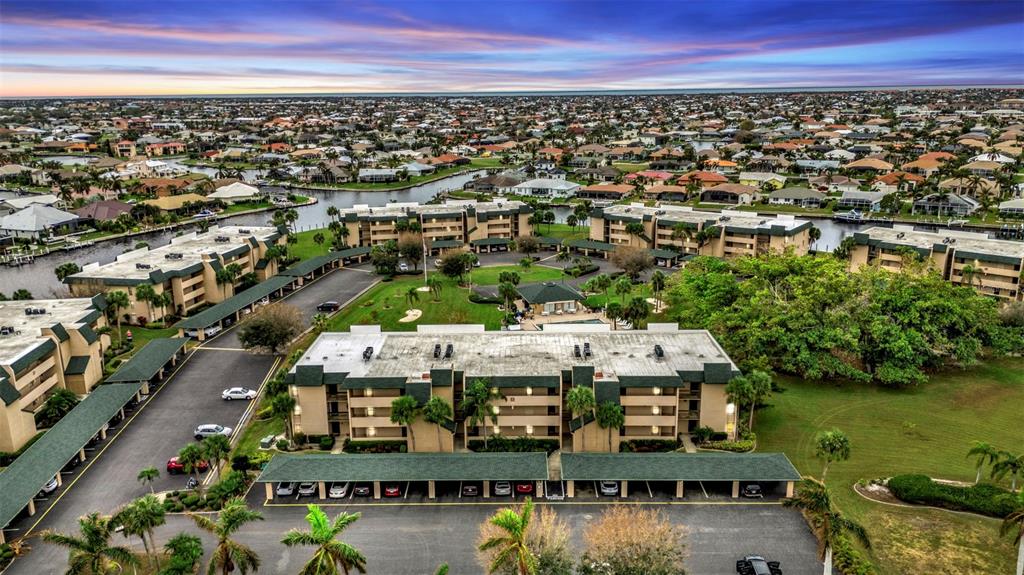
(377, 468)
(488, 245)
(151, 363)
(678, 468)
(592, 247)
(20, 482)
(315, 267)
(232, 307)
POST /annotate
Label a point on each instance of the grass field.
(927, 430)
(563, 231)
(256, 430)
(488, 276)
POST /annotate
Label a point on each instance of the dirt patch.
(411, 315)
(880, 493)
(982, 396)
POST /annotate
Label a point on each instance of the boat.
(851, 216)
(953, 222)
(205, 214)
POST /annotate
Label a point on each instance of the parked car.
(437, 263)
(208, 429)
(392, 490)
(470, 490)
(757, 565)
(361, 491)
(175, 467)
(329, 306)
(502, 488)
(403, 267)
(524, 488)
(307, 489)
(610, 488)
(49, 488)
(285, 489)
(238, 393)
(753, 491)
(338, 490)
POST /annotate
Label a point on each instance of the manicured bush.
(241, 463)
(190, 501)
(703, 434)
(299, 438)
(983, 498)
(259, 459)
(374, 446)
(326, 443)
(648, 445)
(233, 483)
(282, 445)
(578, 271)
(477, 298)
(515, 444)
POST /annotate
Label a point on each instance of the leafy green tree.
(410, 247)
(385, 258)
(609, 415)
(57, 406)
(271, 327)
(509, 277)
(66, 269)
(147, 476)
(405, 410)
(985, 454)
(216, 449)
(229, 554)
(637, 311)
(437, 411)
(332, 556)
(185, 551)
(831, 446)
(511, 543)
(613, 311)
(21, 295)
(118, 300)
(829, 524)
(140, 518)
(91, 551)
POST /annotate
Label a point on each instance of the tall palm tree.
(216, 449)
(331, 554)
(436, 285)
(283, 405)
(145, 293)
(580, 400)
(831, 446)
(609, 416)
(511, 545)
(828, 523)
(438, 411)
(1008, 464)
(91, 551)
(986, 454)
(147, 476)
(140, 518)
(412, 295)
(478, 407)
(508, 293)
(117, 300)
(657, 285)
(1014, 524)
(229, 554)
(405, 410)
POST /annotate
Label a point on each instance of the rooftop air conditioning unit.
(141, 266)
(221, 239)
(243, 231)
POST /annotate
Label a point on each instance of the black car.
(329, 306)
(757, 565)
(470, 490)
(361, 491)
(753, 491)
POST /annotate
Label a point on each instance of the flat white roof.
(688, 214)
(28, 328)
(958, 240)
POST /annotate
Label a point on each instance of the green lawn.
(386, 303)
(629, 167)
(486, 163)
(306, 248)
(488, 276)
(927, 430)
(256, 430)
(563, 231)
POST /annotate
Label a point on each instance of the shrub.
(282, 445)
(299, 438)
(514, 444)
(703, 434)
(233, 483)
(190, 501)
(983, 498)
(741, 446)
(326, 443)
(578, 271)
(648, 445)
(375, 446)
(241, 463)
(477, 298)
(259, 459)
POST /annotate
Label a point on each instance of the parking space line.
(206, 348)
(266, 503)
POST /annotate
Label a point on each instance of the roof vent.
(243, 231)
(174, 256)
(141, 266)
(900, 236)
(7, 330)
(659, 352)
(221, 239)
(448, 351)
(576, 351)
(368, 353)
(437, 350)
(586, 349)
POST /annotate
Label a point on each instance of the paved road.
(413, 540)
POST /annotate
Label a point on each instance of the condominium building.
(46, 345)
(667, 381)
(186, 269)
(676, 228)
(478, 225)
(991, 267)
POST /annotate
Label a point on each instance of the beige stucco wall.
(591, 438)
(712, 406)
(313, 417)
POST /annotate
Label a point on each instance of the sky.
(114, 47)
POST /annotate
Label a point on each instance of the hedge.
(648, 445)
(742, 446)
(579, 271)
(477, 298)
(514, 444)
(983, 498)
(375, 446)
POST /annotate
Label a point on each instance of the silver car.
(208, 429)
(338, 491)
(285, 489)
(49, 488)
(609, 488)
(238, 393)
(502, 488)
(307, 489)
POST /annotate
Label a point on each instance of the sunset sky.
(55, 48)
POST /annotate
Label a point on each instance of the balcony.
(374, 401)
(648, 400)
(528, 401)
(511, 420)
(372, 422)
(649, 420)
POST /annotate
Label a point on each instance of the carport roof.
(407, 467)
(678, 467)
(145, 364)
(20, 482)
(212, 315)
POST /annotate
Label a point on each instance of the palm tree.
(216, 449)
(438, 411)
(117, 300)
(140, 518)
(986, 454)
(436, 285)
(508, 292)
(478, 407)
(405, 410)
(831, 446)
(657, 285)
(609, 416)
(525, 263)
(830, 526)
(320, 322)
(1008, 464)
(147, 476)
(1014, 524)
(412, 295)
(330, 553)
(613, 311)
(229, 554)
(282, 405)
(91, 551)
(146, 293)
(580, 400)
(319, 238)
(190, 457)
(185, 551)
(511, 545)
(636, 311)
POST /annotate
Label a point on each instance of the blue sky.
(52, 47)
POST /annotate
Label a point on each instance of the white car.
(338, 490)
(209, 429)
(49, 488)
(609, 488)
(238, 393)
(502, 488)
(403, 267)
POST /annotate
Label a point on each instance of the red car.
(392, 491)
(174, 467)
(524, 488)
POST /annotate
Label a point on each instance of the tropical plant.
(332, 557)
(477, 404)
(1008, 464)
(828, 523)
(405, 410)
(184, 550)
(320, 322)
(985, 454)
(657, 285)
(609, 415)
(623, 287)
(580, 400)
(216, 449)
(283, 405)
(146, 294)
(831, 446)
(1013, 524)
(412, 295)
(57, 406)
(140, 518)
(117, 300)
(508, 293)
(437, 411)
(637, 311)
(229, 554)
(66, 269)
(613, 311)
(510, 544)
(435, 284)
(147, 476)
(91, 551)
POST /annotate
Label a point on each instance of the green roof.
(549, 241)
(592, 245)
(77, 365)
(148, 361)
(230, 306)
(548, 292)
(59, 331)
(445, 244)
(407, 467)
(663, 253)
(20, 482)
(311, 265)
(678, 467)
(7, 392)
(488, 242)
(38, 352)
